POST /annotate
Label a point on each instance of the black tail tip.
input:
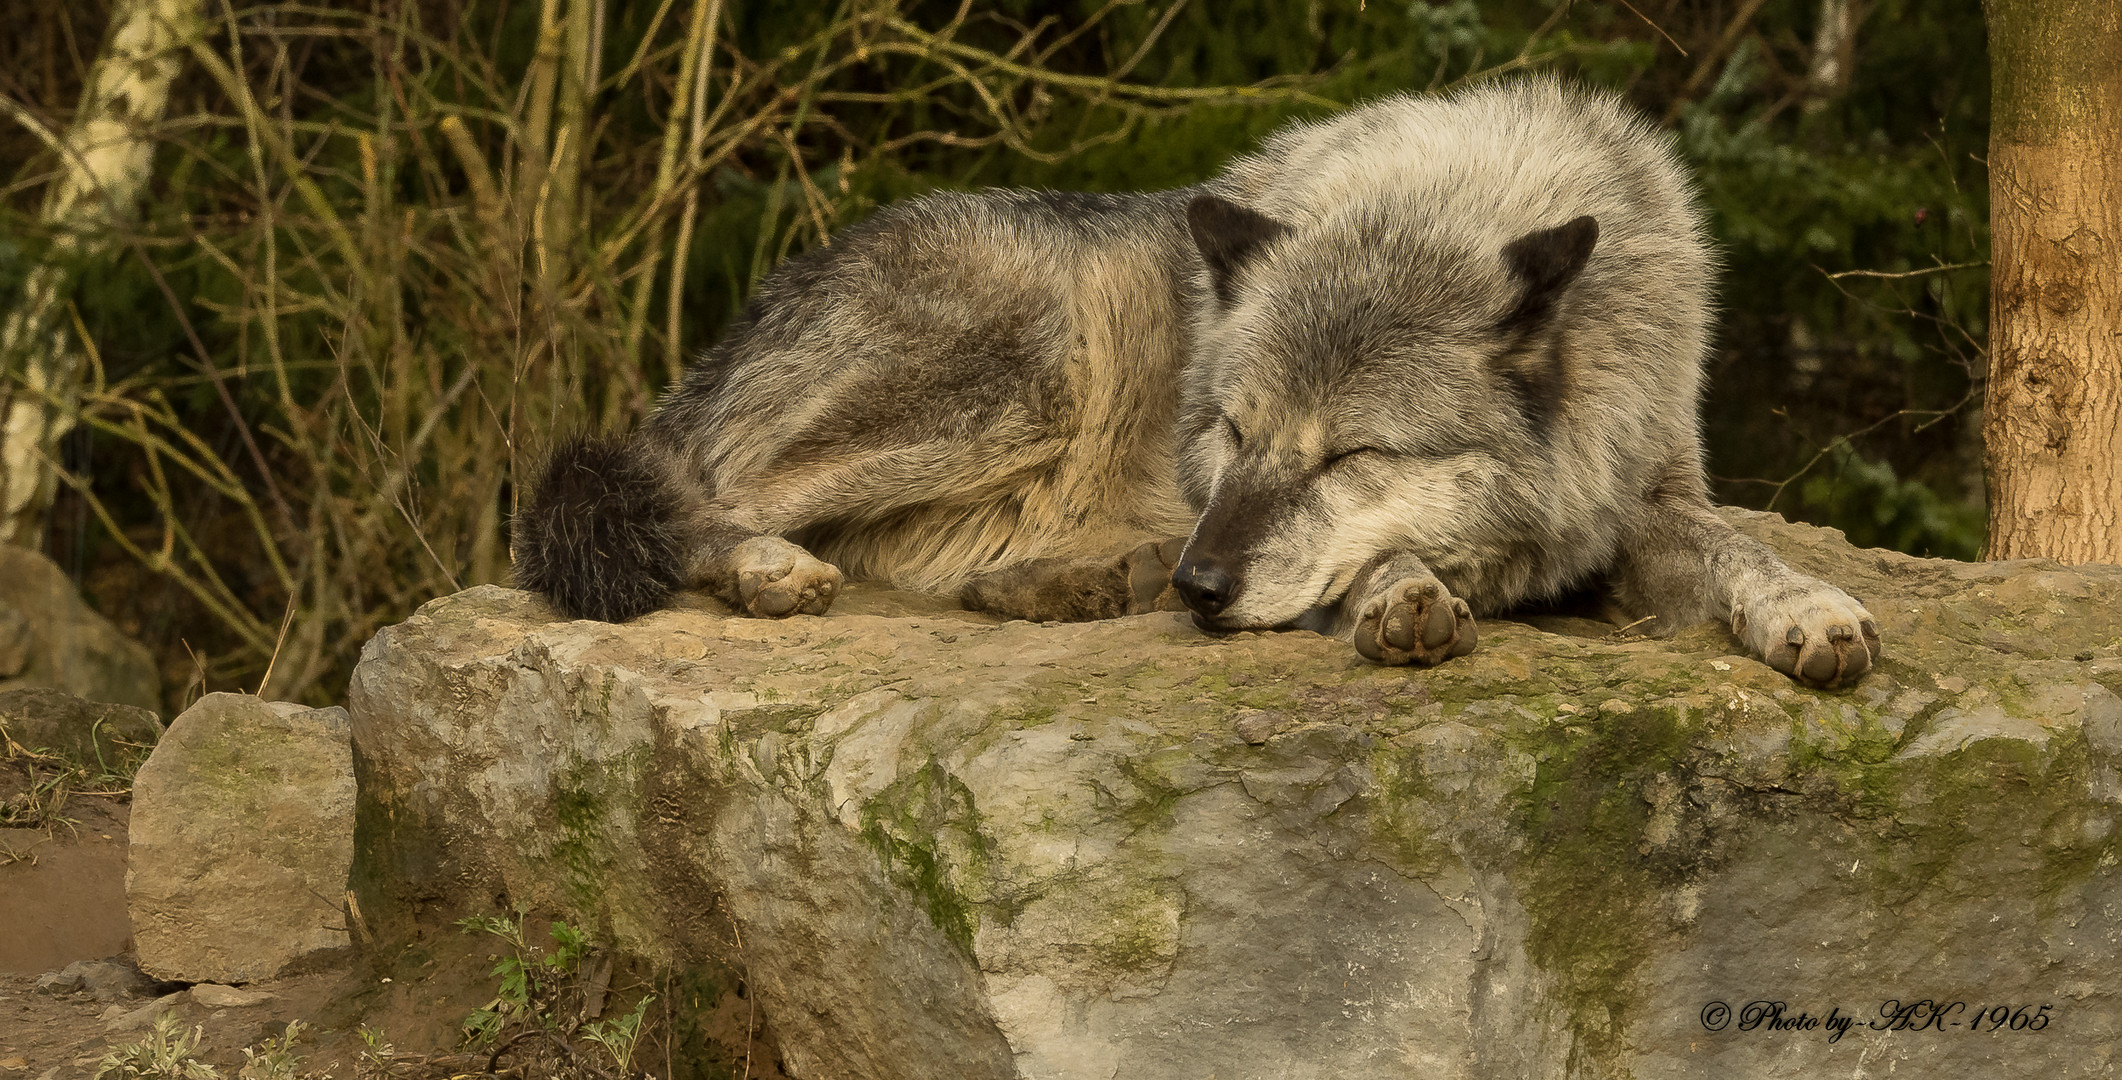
(600, 535)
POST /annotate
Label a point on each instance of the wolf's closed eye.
(1339, 456)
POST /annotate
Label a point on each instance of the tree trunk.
(2053, 414)
(104, 163)
(1834, 53)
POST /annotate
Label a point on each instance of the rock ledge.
(955, 848)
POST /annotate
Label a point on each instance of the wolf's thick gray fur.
(1431, 359)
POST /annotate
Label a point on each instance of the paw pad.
(1818, 635)
(776, 579)
(1415, 622)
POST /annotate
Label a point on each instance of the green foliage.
(620, 1036)
(1877, 509)
(541, 996)
(533, 979)
(1854, 229)
(377, 1053)
(275, 1059)
(166, 1052)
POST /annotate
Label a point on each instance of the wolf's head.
(1367, 383)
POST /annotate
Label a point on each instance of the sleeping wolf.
(1429, 360)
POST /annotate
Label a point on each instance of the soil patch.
(62, 888)
(63, 1036)
(357, 1024)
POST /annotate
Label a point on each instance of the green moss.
(1214, 683)
(1995, 809)
(392, 847)
(1149, 678)
(1026, 716)
(1133, 947)
(1158, 790)
(603, 710)
(916, 827)
(1406, 804)
(1138, 929)
(576, 848)
(1858, 760)
(1586, 882)
(1960, 822)
(698, 1050)
(920, 868)
(1239, 686)
(586, 797)
(748, 724)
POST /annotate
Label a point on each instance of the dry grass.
(36, 785)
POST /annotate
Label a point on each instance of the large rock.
(49, 638)
(1125, 849)
(242, 833)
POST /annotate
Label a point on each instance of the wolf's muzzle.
(1206, 586)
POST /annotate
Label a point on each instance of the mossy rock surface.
(945, 846)
(240, 840)
(96, 736)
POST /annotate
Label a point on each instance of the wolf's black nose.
(1204, 585)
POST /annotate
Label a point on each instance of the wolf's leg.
(1401, 614)
(1080, 590)
(1684, 564)
(759, 574)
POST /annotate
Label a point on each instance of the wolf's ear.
(1547, 260)
(1228, 236)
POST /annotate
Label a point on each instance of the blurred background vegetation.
(396, 245)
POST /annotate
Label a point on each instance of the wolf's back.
(600, 537)
(1492, 157)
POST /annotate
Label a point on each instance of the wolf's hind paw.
(1819, 636)
(1415, 621)
(776, 579)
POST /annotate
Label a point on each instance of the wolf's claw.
(1415, 621)
(776, 579)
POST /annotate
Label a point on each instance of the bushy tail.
(600, 537)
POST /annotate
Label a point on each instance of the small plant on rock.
(544, 1003)
(620, 1035)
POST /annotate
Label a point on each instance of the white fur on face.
(1349, 515)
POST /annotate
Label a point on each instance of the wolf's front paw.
(776, 579)
(1080, 590)
(1149, 575)
(1815, 633)
(1415, 621)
